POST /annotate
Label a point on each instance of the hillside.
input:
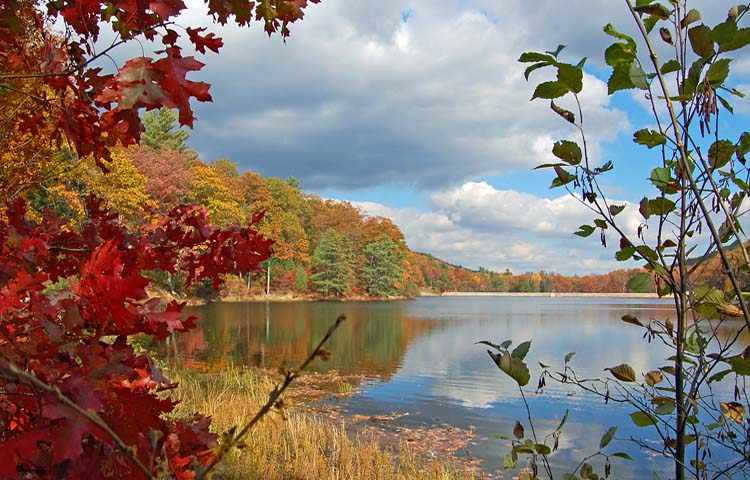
(323, 248)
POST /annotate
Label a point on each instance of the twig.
(12, 369)
(274, 396)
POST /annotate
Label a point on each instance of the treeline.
(440, 276)
(323, 248)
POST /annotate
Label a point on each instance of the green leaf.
(563, 177)
(719, 376)
(661, 177)
(529, 57)
(654, 9)
(557, 51)
(740, 366)
(623, 372)
(638, 76)
(549, 90)
(692, 16)
(521, 350)
(701, 42)
(718, 72)
(641, 419)
(650, 138)
(585, 230)
(564, 419)
(618, 55)
(608, 165)
(650, 22)
(620, 80)
(607, 437)
(724, 103)
(670, 66)
(513, 367)
(571, 77)
(616, 209)
(518, 431)
(693, 343)
(632, 319)
(729, 37)
(510, 461)
(644, 208)
(611, 31)
(708, 294)
(640, 283)
(647, 252)
(499, 348)
(542, 449)
(661, 206)
(720, 152)
(622, 455)
(568, 152)
(568, 357)
(664, 405)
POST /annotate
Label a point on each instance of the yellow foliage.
(123, 188)
(218, 191)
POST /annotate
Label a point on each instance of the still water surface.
(421, 357)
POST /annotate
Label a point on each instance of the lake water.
(421, 357)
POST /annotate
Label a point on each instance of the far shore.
(549, 294)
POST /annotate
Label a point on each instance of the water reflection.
(421, 357)
(372, 341)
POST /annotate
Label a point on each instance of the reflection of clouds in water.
(461, 371)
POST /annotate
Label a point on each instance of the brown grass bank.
(303, 445)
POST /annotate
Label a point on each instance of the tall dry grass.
(301, 446)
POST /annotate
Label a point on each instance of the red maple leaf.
(201, 42)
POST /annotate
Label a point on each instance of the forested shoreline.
(323, 248)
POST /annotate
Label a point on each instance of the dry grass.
(302, 446)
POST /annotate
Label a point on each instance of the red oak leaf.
(201, 42)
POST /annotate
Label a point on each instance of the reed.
(293, 444)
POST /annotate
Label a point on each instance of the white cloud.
(477, 225)
(358, 97)
(742, 105)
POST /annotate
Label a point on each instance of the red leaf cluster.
(95, 111)
(75, 340)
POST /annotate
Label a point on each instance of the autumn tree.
(83, 403)
(216, 186)
(123, 187)
(168, 174)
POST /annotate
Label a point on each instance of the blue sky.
(418, 110)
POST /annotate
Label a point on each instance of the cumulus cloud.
(370, 93)
(477, 225)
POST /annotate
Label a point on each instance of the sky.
(418, 110)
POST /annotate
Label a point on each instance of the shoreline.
(193, 301)
(549, 294)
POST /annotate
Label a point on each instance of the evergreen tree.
(162, 132)
(382, 270)
(333, 264)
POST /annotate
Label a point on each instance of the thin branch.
(274, 396)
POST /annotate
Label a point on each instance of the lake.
(420, 357)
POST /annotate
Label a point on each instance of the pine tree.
(333, 264)
(382, 270)
(162, 132)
